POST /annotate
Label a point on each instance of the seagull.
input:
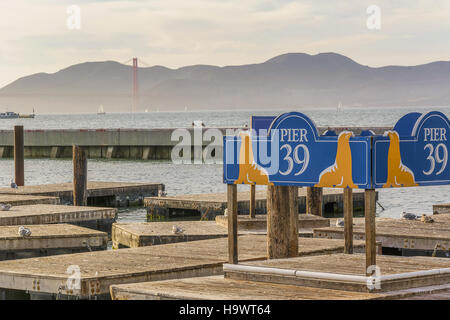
(13, 184)
(161, 193)
(339, 222)
(177, 230)
(5, 206)
(225, 212)
(24, 232)
(426, 219)
(409, 216)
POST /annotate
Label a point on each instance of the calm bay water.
(185, 179)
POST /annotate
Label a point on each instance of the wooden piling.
(348, 220)
(19, 176)
(280, 204)
(79, 176)
(232, 224)
(252, 200)
(293, 221)
(314, 200)
(371, 246)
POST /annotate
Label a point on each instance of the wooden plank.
(232, 223)
(314, 201)
(101, 269)
(371, 247)
(348, 220)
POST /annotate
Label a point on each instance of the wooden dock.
(98, 192)
(23, 200)
(49, 239)
(210, 205)
(99, 270)
(95, 217)
(305, 221)
(405, 236)
(139, 234)
(142, 234)
(441, 208)
(219, 288)
(346, 272)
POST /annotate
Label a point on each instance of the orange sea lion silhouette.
(249, 171)
(340, 173)
(398, 175)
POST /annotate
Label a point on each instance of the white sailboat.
(101, 110)
(339, 107)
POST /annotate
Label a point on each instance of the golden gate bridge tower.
(135, 88)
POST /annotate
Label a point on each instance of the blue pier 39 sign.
(288, 150)
(415, 153)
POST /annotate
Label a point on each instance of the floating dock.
(49, 239)
(98, 192)
(441, 208)
(47, 277)
(259, 222)
(142, 234)
(209, 205)
(219, 288)
(346, 272)
(400, 236)
(23, 199)
(95, 217)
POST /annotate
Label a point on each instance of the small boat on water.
(101, 110)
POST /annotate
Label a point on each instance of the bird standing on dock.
(225, 212)
(5, 206)
(426, 219)
(162, 193)
(409, 216)
(13, 184)
(177, 230)
(340, 223)
(24, 232)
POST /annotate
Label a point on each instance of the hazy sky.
(35, 37)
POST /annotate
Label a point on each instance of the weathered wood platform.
(409, 237)
(346, 272)
(23, 200)
(101, 269)
(49, 239)
(98, 192)
(210, 205)
(441, 208)
(142, 234)
(95, 217)
(305, 221)
(219, 288)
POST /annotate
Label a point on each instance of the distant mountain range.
(292, 80)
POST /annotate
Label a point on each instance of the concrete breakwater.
(144, 144)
